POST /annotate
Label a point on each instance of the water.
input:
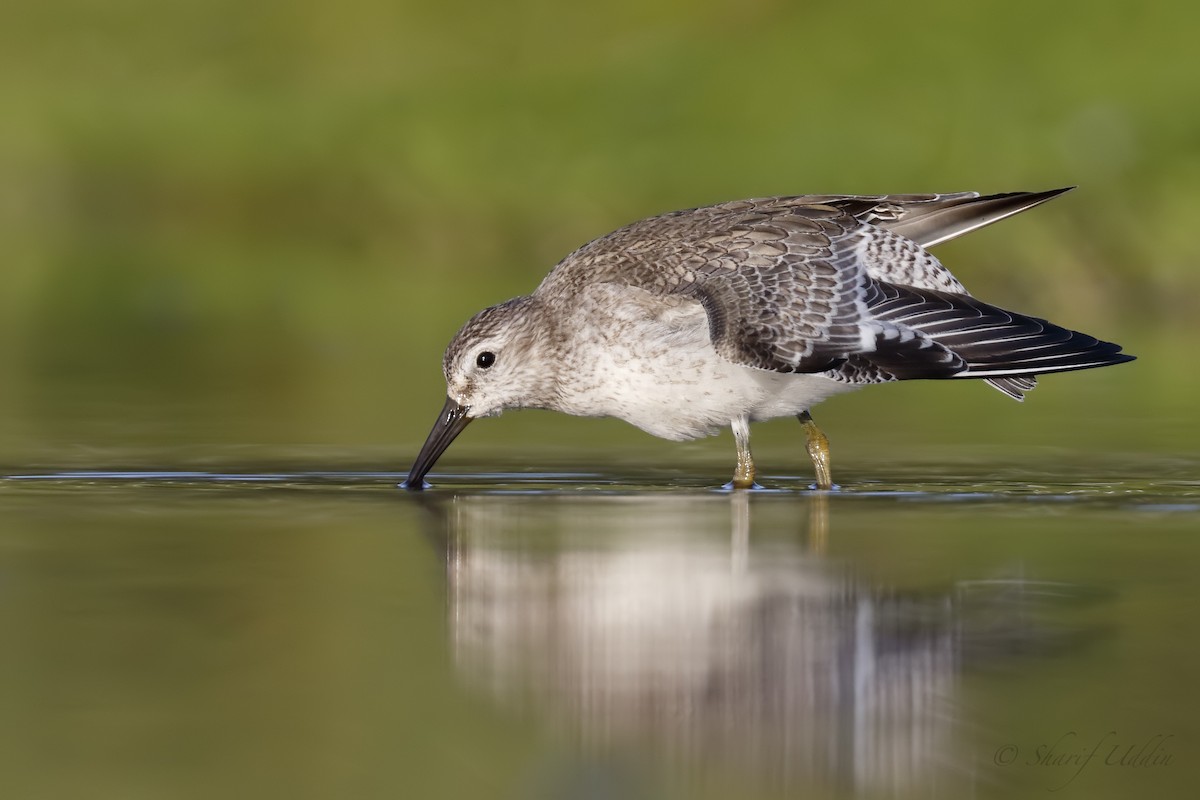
(973, 631)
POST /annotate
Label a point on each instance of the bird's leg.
(743, 476)
(818, 450)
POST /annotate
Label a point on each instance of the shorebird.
(688, 322)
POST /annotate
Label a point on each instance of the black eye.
(485, 359)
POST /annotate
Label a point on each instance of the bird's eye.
(485, 359)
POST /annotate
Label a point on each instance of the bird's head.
(502, 358)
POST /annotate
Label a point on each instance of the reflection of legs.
(818, 524)
(818, 450)
(739, 547)
(743, 476)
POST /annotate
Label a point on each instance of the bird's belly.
(678, 410)
(686, 392)
(650, 361)
(788, 395)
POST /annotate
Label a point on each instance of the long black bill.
(450, 422)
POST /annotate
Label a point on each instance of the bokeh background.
(247, 230)
(238, 235)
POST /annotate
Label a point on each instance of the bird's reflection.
(711, 628)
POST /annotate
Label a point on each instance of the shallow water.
(981, 630)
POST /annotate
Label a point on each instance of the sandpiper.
(685, 323)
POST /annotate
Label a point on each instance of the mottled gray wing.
(785, 293)
(924, 220)
(920, 219)
(785, 280)
(886, 254)
(783, 287)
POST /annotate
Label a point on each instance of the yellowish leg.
(818, 450)
(743, 476)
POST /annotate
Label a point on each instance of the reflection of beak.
(450, 422)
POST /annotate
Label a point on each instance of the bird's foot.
(735, 485)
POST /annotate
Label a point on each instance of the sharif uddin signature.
(1072, 753)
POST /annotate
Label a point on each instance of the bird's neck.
(542, 341)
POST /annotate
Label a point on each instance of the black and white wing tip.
(957, 336)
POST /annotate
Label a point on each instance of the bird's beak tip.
(450, 422)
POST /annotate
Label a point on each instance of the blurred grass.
(259, 224)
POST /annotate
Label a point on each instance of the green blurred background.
(247, 230)
(239, 234)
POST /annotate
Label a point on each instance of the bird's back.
(657, 249)
(790, 285)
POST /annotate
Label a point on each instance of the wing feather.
(838, 284)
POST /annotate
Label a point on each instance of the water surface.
(583, 632)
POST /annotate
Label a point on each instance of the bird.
(689, 322)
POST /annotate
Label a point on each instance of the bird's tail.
(956, 336)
